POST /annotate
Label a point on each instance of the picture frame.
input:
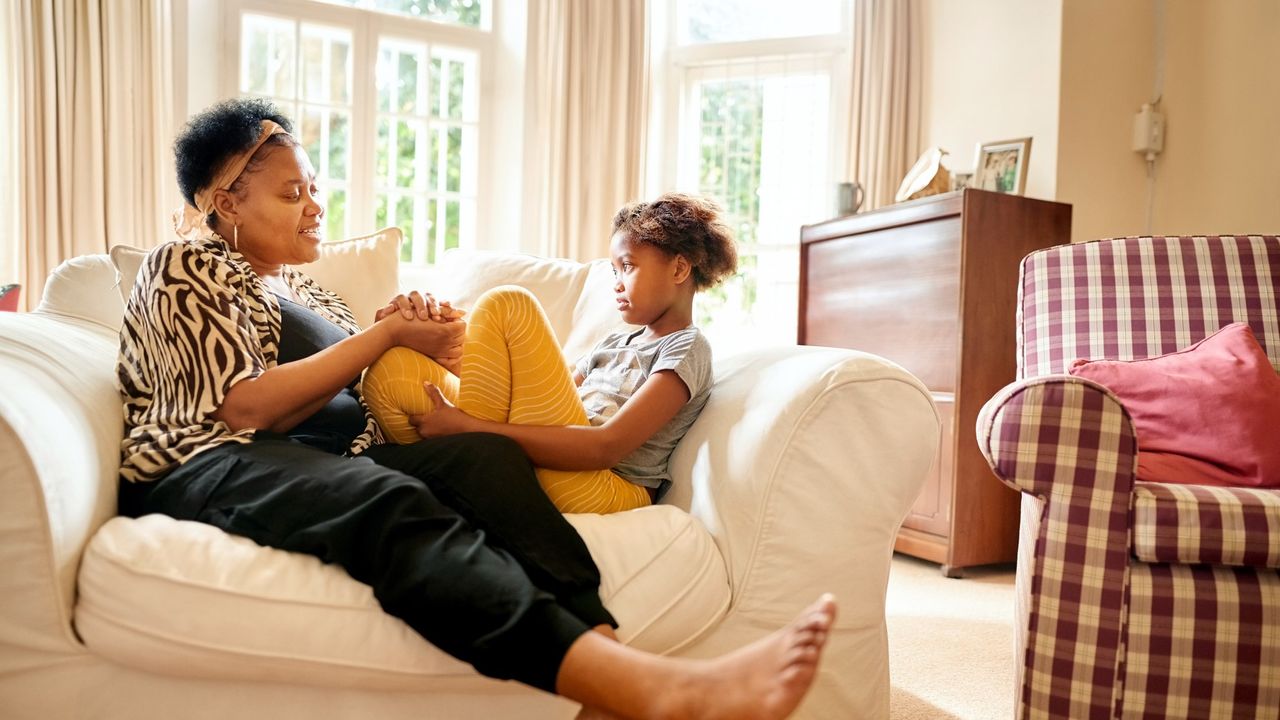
(1002, 166)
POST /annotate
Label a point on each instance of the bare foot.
(765, 680)
(589, 713)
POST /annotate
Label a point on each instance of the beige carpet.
(950, 642)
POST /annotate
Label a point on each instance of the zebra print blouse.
(198, 321)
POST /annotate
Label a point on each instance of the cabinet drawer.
(892, 292)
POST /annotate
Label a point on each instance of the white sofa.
(793, 482)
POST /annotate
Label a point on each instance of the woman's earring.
(235, 238)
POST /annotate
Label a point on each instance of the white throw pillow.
(577, 297)
(363, 271)
(85, 287)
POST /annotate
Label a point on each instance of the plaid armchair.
(1134, 599)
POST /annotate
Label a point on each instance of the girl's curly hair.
(214, 135)
(680, 224)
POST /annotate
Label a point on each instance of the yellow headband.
(190, 221)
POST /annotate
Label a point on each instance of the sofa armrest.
(802, 466)
(1069, 445)
(1060, 436)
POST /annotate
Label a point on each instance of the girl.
(601, 436)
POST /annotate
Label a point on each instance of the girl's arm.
(575, 447)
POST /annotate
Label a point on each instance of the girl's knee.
(509, 296)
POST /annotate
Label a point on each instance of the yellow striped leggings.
(513, 372)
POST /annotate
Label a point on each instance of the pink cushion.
(1204, 415)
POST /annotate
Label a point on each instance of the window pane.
(381, 153)
(433, 229)
(434, 160)
(268, 56)
(311, 136)
(313, 68)
(705, 21)
(406, 152)
(454, 179)
(407, 84)
(340, 70)
(451, 224)
(339, 145)
(403, 218)
(326, 60)
(335, 215)
(435, 88)
(469, 13)
(405, 221)
(385, 74)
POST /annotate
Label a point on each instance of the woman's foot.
(765, 680)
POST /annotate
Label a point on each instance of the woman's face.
(279, 211)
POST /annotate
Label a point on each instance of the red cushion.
(1204, 415)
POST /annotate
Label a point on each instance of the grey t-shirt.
(616, 369)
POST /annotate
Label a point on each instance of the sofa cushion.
(577, 297)
(1204, 415)
(1190, 524)
(85, 288)
(184, 598)
(363, 271)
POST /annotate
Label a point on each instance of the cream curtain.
(93, 131)
(884, 117)
(586, 106)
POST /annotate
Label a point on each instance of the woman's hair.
(685, 225)
(213, 136)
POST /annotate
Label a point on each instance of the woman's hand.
(440, 341)
(422, 306)
(444, 419)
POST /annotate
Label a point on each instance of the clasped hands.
(432, 327)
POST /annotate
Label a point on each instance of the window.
(385, 96)
(756, 87)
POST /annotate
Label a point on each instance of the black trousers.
(453, 534)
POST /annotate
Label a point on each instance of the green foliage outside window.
(731, 118)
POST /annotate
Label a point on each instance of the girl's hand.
(444, 419)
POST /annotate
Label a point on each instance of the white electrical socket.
(1148, 131)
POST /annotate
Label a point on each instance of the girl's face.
(647, 281)
(279, 210)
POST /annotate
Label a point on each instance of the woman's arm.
(285, 395)
(575, 447)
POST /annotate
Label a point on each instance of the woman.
(242, 410)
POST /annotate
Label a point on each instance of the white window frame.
(367, 27)
(676, 69)
(673, 63)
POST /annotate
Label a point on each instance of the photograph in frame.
(1002, 166)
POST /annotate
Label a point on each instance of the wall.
(1108, 71)
(990, 72)
(1221, 170)
(1073, 73)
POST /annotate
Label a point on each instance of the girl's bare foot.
(765, 680)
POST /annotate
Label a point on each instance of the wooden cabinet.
(931, 284)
